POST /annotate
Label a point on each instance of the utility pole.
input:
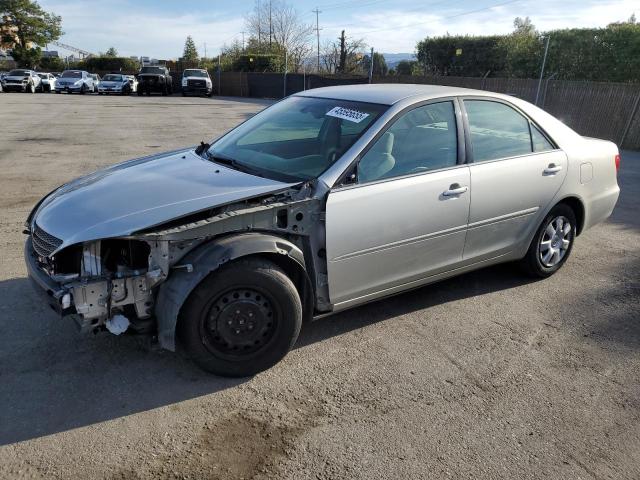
(371, 66)
(259, 22)
(286, 65)
(317, 12)
(270, 29)
(242, 41)
(205, 49)
(544, 60)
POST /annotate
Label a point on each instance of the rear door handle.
(552, 169)
(454, 190)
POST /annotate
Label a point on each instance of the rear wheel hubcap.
(555, 241)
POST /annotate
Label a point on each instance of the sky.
(158, 28)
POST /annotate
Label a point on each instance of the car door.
(516, 171)
(405, 217)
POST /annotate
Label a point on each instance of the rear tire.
(552, 243)
(242, 319)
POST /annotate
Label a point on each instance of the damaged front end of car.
(147, 275)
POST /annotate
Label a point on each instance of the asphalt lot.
(488, 375)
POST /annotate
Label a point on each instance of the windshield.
(43, 75)
(159, 70)
(194, 73)
(72, 74)
(18, 73)
(297, 138)
(112, 78)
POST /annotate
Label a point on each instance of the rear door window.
(497, 130)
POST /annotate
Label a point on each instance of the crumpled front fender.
(201, 262)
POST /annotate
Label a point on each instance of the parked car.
(21, 80)
(154, 79)
(78, 81)
(133, 82)
(329, 199)
(96, 82)
(115, 83)
(196, 81)
(48, 81)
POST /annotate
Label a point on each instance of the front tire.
(552, 243)
(242, 319)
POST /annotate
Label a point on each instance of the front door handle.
(552, 169)
(455, 190)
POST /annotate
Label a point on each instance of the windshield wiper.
(234, 164)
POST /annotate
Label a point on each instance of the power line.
(317, 12)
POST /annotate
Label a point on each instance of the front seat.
(378, 161)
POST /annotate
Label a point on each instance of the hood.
(142, 193)
(197, 78)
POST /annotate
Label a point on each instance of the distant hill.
(393, 59)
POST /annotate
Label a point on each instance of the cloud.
(397, 30)
(141, 33)
(136, 29)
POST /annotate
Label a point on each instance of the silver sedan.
(329, 199)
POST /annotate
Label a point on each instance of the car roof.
(388, 93)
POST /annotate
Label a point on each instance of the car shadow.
(54, 379)
(476, 283)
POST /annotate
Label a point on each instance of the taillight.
(617, 160)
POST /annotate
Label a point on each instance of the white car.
(133, 82)
(78, 81)
(48, 81)
(22, 80)
(115, 83)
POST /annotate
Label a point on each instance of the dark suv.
(154, 79)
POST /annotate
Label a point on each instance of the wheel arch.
(577, 206)
(210, 256)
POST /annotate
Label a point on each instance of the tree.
(344, 55)
(190, 51)
(26, 26)
(276, 28)
(379, 64)
(522, 50)
(111, 52)
(406, 67)
(51, 64)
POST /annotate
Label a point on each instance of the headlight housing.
(184, 82)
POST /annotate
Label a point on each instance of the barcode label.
(347, 114)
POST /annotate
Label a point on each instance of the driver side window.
(421, 140)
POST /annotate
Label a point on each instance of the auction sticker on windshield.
(347, 114)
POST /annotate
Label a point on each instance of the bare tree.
(278, 28)
(344, 55)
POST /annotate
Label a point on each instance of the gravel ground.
(488, 375)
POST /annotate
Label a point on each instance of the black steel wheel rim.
(239, 322)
